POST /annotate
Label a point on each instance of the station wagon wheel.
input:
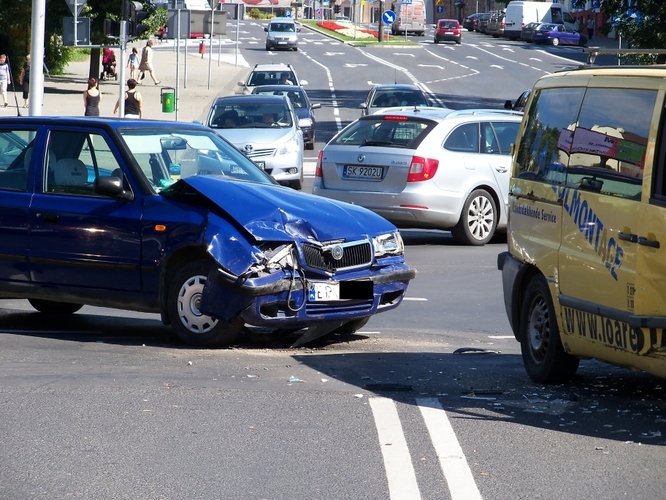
(478, 219)
(544, 358)
(53, 307)
(190, 324)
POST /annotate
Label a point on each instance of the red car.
(448, 30)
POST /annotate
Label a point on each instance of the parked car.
(269, 74)
(527, 31)
(471, 22)
(390, 95)
(448, 30)
(302, 105)
(265, 129)
(496, 24)
(484, 19)
(178, 222)
(558, 34)
(429, 168)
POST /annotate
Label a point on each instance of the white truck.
(410, 17)
(519, 13)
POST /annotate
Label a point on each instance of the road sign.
(77, 5)
(388, 17)
(440, 9)
(287, 13)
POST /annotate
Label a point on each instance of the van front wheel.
(544, 358)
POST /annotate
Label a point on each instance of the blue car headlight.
(388, 244)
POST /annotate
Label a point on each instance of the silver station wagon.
(430, 168)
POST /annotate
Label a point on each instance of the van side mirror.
(266, 28)
(508, 104)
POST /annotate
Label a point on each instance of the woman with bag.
(147, 62)
(24, 80)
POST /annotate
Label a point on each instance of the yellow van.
(585, 273)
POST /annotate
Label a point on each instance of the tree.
(642, 23)
(15, 39)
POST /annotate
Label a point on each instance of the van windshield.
(283, 27)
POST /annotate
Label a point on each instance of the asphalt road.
(427, 401)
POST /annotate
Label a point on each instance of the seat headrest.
(70, 172)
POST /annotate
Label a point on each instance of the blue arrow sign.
(388, 17)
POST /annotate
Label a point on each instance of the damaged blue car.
(168, 217)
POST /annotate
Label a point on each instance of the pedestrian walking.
(24, 80)
(133, 63)
(91, 98)
(5, 78)
(590, 28)
(133, 101)
(146, 64)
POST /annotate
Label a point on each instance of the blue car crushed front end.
(300, 264)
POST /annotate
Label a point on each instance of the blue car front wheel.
(190, 324)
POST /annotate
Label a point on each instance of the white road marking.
(397, 460)
(500, 336)
(451, 457)
(416, 299)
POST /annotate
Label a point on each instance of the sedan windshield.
(165, 156)
(251, 115)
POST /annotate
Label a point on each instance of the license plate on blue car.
(322, 291)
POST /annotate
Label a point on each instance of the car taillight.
(422, 169)
(318, 168)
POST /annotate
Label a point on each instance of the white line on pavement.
(397, 460)
(451, 457)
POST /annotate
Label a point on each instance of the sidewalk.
(63, 94)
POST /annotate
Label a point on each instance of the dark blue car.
(557, 34)
(168, 217)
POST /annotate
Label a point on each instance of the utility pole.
(380, 31)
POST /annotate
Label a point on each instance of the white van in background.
(519, 13)
(410, 17)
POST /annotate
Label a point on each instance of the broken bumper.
(283, 300)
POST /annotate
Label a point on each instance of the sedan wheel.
(544, 358)
(555, 42)
(478, 219)
(190, 324)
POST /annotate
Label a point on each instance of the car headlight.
(388, 244)
(305, 122)
(290, 146)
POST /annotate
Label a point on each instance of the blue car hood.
(276, 213)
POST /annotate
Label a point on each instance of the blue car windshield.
(165, 156)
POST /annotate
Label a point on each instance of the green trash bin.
(168, 99)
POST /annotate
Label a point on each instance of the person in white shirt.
(5, 78)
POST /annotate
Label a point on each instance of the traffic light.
(336, 8)
(137, 15)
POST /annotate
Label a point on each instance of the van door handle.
(633, 238)
(642, 240)
(501, 170)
